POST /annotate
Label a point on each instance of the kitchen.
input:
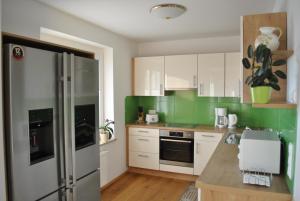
(176, 106)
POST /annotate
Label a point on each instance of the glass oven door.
(177, 151)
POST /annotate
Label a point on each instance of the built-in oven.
(176, 148)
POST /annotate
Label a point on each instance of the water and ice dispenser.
(41, 135)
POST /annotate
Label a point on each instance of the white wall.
(2, 163)
(188, 46)
(108, 84)
(27, 17)
(293, 38)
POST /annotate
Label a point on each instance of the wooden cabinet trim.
(35, 43)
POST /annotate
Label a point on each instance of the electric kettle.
(232, 120)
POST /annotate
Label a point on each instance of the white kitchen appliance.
(259, 151)
(151, 117)
(221, 120)
(232, 120)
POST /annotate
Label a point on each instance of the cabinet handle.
(200, 90)
(211, 136)
(197, 147)
(143, 131)
(239, 88)
(161, 89)
(143, 156)
(195, 81)
(171, 140)
(145, 140)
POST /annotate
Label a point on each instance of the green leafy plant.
(107, 127)
(261, 67)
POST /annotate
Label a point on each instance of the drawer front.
(144, 160)
(147, 132)
(176, 169)
(143, 144)
(205, 136)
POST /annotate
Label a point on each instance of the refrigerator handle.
(72, 114)
(66, 128)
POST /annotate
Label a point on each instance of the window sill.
(109, 141)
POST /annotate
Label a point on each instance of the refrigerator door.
(33, 151)
(86, 108)
(57, 196)
(83, 128)
(88, 188)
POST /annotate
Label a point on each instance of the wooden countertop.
(222, 172)
(199, 128)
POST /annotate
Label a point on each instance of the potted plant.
(262, 79)
(106, 131)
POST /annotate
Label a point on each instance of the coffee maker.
(221, 120)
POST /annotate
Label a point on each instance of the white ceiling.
(131, 18)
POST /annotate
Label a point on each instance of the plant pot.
(261, 94)
(104, 136)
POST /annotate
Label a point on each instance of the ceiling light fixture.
(167, 11)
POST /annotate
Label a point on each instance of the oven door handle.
(171, 140)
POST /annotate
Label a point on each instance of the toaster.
(259, 151)
(151, 118)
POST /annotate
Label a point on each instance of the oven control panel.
(176, 134)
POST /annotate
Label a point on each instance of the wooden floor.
(138, 187)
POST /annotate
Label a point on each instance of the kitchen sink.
(232, 138)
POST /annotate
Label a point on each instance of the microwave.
(259, 151)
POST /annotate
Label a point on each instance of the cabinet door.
(233, 68)
(211, 75)
(181, 72)
(203, 150)
(148, 76)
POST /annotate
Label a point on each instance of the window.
(104, 55)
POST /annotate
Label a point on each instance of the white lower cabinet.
(199, 194)
(144, 160)
(204, 146)
(104, 167)
(144, 148)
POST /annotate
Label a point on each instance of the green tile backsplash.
(187, 107)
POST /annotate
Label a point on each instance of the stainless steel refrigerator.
(51, 114)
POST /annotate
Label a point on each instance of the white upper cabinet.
(211, 75)
(180, 72)
(148, 76)
(233, 74)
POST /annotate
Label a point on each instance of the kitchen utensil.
(232, 120)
